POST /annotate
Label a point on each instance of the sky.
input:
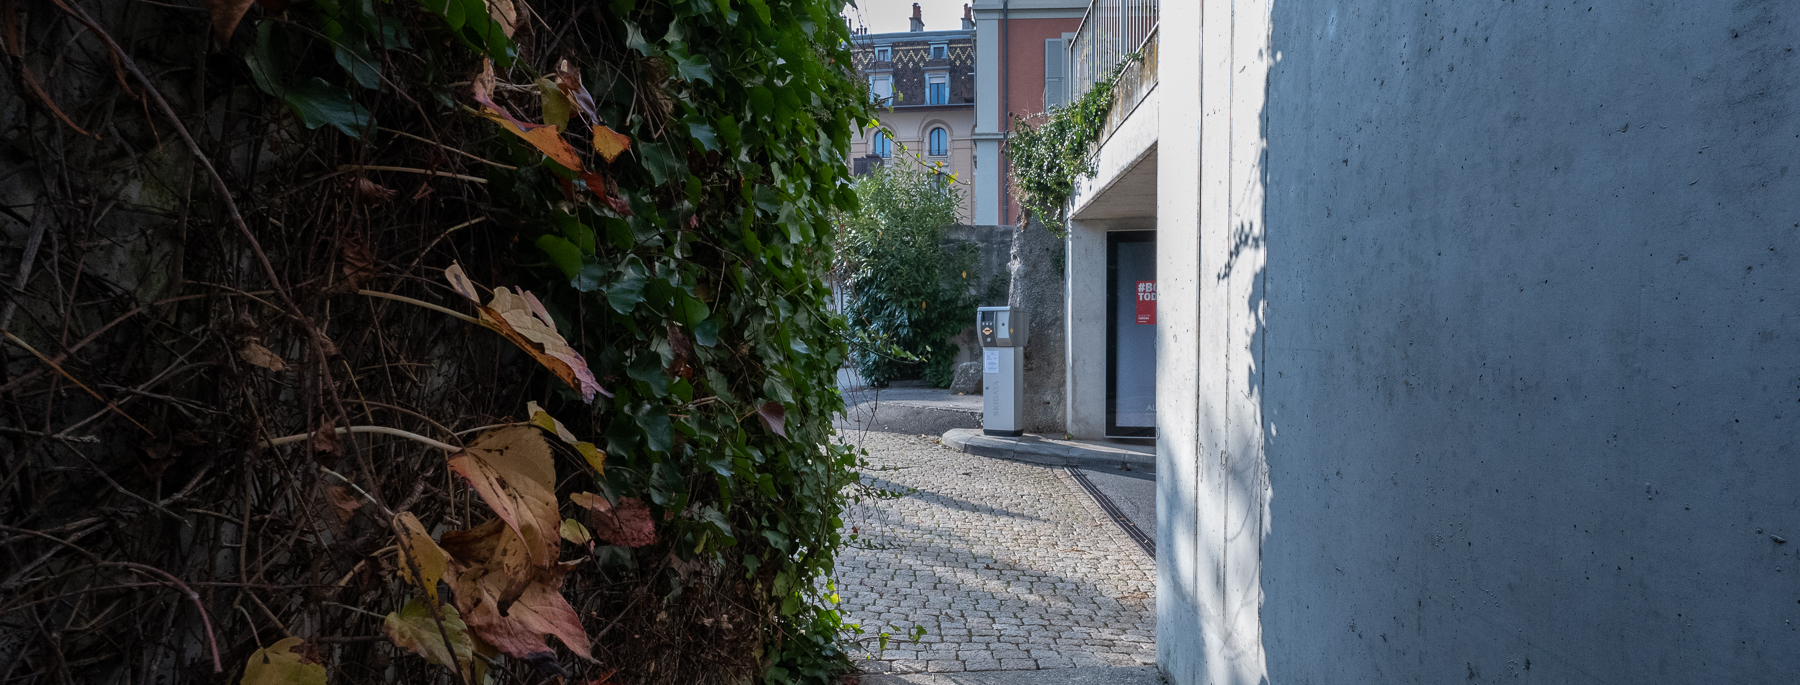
(891, 16)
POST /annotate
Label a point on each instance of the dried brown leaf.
(225, 17)
(773, 416)
(588, 500)
(344, 502)
(504, 14)
(324, 442)
(518, 627)
(373, 193)
(359, 263)
(510, 467)
(522, 319)
(255, 353)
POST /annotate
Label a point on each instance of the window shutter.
(1055, 70)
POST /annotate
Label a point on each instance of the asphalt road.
(1133, 492)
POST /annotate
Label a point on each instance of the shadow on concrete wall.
(1523, 340)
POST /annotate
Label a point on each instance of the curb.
(1038, 450)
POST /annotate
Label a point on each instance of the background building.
(927, 79)
(1021, 67)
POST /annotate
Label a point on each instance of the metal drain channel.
(1106, 503)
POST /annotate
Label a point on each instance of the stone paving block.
(1006, 565)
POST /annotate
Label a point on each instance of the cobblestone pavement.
(1006, 565)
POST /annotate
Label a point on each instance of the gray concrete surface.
(1008, 566)
(1037, 288)
(907, 407)
(1118, 675)
(1463, 304)
(1133, 492)
(1043, 449)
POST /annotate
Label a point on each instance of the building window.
(881, 87)
(881, 145)
(939, 142)
(940, 51)
(937, 89)
(1056, 58)
(884, 54)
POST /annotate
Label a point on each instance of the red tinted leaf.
(568, 80)
(628, 523)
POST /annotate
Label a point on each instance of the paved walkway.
(1007, 566)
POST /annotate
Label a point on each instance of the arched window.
(940, 142)
(881, 145)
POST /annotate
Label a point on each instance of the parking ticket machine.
(1003, 334)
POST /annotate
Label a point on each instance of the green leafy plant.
(903, 287)
(1048, 157)
(647, 187)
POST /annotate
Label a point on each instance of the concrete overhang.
(1124, 182)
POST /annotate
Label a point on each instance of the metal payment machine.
(1003, 334)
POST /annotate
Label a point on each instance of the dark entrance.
(1131, 334)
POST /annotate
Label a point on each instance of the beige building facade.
(926, 83)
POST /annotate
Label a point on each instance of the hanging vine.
(1047, 158)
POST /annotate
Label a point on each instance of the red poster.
(1146, 303)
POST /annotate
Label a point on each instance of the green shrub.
(906, 292)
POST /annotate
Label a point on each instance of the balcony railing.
(1111, 30)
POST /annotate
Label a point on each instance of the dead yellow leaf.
(422, 561)
(547, 139)
(279, 664)
(510, 468)
(542, 419)
(609, 143)
(522, 319)
(556, 105)
(261, 356)
(414, 629)
(574, 532)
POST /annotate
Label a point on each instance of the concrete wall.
(1484, 365)
(1037, 287)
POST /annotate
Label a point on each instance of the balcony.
(1112, 30)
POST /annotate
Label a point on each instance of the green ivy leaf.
(564, 254)
(318, 103)
(706, 333)
(625, 293)
(354, 56)
(649, 369)
(694, 68)
(761, 8)
(703, 134)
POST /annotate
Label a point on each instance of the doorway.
(1131, 334)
